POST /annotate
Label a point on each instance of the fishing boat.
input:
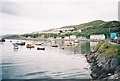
(21, 43)
(54, 45)
(37, 44)
(10, 41)
(70, 44)
(2, 40)
(30, 46)
(76, 41)
(15, 46)
(40, 48)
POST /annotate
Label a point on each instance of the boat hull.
(40, 48)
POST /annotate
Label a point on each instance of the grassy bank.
(107, 49)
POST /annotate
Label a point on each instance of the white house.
(67, 37)
(72, 37)
(78, 30)
(99, 36)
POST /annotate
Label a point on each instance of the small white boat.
(21, 43)
(76, 41)
(53, 44)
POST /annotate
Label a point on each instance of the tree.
(46, 36)
(68, 34)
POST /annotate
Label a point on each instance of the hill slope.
(96, 27)
(86, 25)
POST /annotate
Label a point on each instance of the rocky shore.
(104, 66)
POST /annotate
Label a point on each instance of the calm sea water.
(52, 63)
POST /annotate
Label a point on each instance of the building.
(67, 37)
(72, 37)
(99, 36)
(79, 30)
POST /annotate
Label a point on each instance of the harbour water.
(51, 63)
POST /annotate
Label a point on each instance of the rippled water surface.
(52, 63)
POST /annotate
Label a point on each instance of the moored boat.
(40, 48)
(15, 46)
(76, 41)
(2, 40)
(70, 44)
(21, 43)
(54, 45)
(30, 46)
(38, 44)
(10, 41)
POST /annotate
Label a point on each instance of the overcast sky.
(22, 16)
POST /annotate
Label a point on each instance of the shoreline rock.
(103, 67)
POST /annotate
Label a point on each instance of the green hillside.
(96, 27)
(86, 25)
